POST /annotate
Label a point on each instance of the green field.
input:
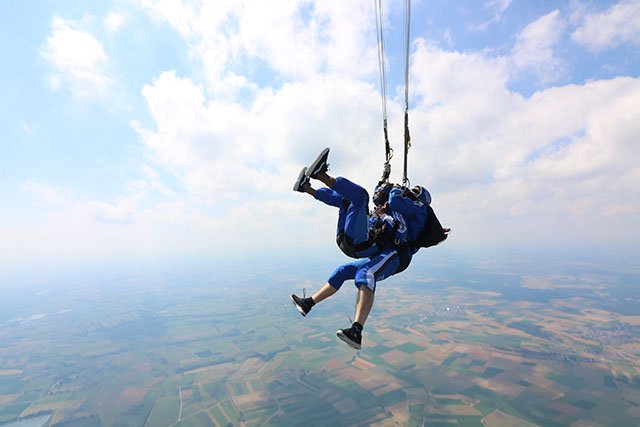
(217, 354)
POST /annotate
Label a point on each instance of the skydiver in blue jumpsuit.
(381, 241)
(353, 234)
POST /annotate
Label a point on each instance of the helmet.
(422, 194)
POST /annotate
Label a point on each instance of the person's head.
(421, 194)
(381, 196)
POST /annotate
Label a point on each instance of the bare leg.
(329, 181)
(364, 304)
(307, 188)
(323, 293)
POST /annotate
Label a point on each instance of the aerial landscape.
(172, 172)
(444, 348)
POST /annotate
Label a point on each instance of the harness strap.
(346, 245)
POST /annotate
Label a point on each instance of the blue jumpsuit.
(393, 249)
(352, 233)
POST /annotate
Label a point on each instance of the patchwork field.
(553, 350)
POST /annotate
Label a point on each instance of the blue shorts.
(367, 271)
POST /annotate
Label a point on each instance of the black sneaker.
(351, 336)
(319, 164)
(300, 304)
(301, 181)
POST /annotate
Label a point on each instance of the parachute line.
(407, 136)
(383, 77)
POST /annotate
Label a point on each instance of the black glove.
(406, 192)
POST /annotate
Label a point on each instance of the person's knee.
(336, 280)
(365, 287)
(362, 196)
(362, 275)
(339, 276)
(335, 284)
(357, 194)
(363, 281)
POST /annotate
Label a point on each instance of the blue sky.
(153, 129)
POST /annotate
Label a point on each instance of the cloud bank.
(602, 30)
(268, 88)
(489, 153)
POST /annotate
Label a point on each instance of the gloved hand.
(406, 192)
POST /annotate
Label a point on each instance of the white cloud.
(46, 191)
(497, 9)
(554, 166)
(114, 21)
(297, 39)
(489, 153)
(499, 6)
(563, 157)
(79, 60)
(204, 142)
(608, 29)
(534, 49)
(122, 211)
(68, 229)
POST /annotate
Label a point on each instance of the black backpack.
(433, 233)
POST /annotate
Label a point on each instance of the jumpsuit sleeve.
(406, 206)
(414, 212)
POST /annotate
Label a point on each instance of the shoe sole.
(315, 166)
(297, 306)
(302, 176)
(346, 339)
